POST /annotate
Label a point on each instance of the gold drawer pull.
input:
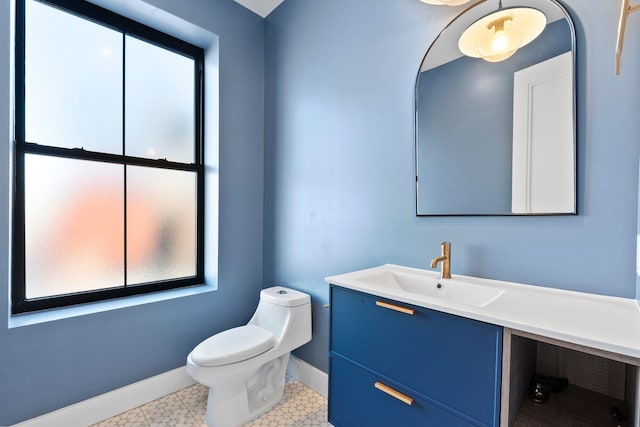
(404, 310)
(394, 393)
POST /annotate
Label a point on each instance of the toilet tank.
(286, 313)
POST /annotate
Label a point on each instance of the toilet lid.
(233, 345)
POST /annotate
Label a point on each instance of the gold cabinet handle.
(394, 393)
(394, 307)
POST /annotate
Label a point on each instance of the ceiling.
(261, 7)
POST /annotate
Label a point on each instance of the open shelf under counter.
(573, 406)
(598, 381)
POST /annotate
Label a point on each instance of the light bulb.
(500, 41)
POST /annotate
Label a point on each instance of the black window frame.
(128, 27)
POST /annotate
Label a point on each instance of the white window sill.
(44, 316)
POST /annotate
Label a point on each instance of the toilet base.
(234, 405)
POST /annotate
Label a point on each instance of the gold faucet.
(445, 259)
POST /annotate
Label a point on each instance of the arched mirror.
(496, 136)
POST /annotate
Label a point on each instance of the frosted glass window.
(74, 225)
(159, 103)
(73, 81)
(161, 224)
(111, 219)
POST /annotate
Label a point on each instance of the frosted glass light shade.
(446, 2)
(499, 35)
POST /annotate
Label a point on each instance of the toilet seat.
(233, 345)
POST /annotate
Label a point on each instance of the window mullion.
(18, 289)
(124, 152)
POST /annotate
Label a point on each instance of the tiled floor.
(300, 407)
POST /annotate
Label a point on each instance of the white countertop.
(601, 322)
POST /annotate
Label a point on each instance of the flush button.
(281, 292)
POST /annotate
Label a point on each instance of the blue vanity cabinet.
(449, 365)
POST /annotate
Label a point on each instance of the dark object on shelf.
(542, 387)
(617, 414)
(574, 406)
(557, 384)
(540, 394)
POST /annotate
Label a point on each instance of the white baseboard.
(115, 402)
(308, 375)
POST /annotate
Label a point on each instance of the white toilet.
(244, 367)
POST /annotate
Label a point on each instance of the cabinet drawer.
(355, 401)
(450, 359)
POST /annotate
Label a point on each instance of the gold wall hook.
(625, 11)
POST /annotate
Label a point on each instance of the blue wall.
(461, 171)
(339, 173)
(51, 365)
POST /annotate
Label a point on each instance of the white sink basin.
(447, 291)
